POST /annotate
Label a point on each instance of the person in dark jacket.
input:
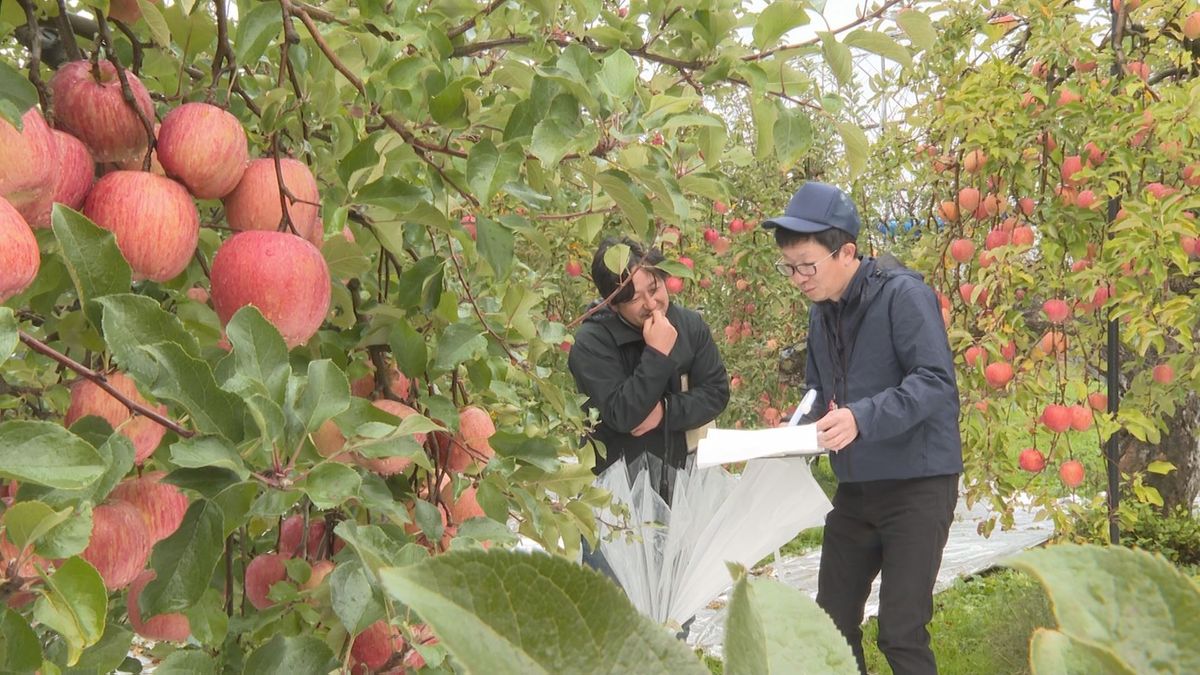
(887, 410)
(647, 365)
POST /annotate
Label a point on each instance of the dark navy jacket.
(882, 351)
(624, 379)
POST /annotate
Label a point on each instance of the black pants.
(897, 528)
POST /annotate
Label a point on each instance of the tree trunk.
(1179, 446)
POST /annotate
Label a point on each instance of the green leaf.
(838, 56)
(17, 94)
(26, 522)
(154, 19)
(184, 562)
(618, 75)
(74, 604)
(506, 612)
(298, 655)
(188, 662)
(92, 258)
(618, 186)
(202, 451)
(132, 321)
(330, 484)
(918, 27)
(9, 333)
(235, 502)
(408, 348)
(44, 453)
(190, 382)
(460, 342)
(488, 167)
(107, 654)
(495, 243)
(540, 452)
(71, 537)
(326, 393)
(207, 619)
(378, 547)
(354, 598)
(21, 651)
(777, 19)
(857, 146)
(1160, 467)
(261, 26)
(773, 628)
(879, 43)
(1054, 653)
(616, 258)
(1135, 604)
(259, 352)
(793, 136)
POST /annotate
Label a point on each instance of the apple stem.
(46, 350)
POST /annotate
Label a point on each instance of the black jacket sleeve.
(708, 385)
(623, 402)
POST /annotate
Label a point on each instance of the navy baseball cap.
(816, 207)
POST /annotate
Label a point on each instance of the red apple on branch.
(28, 163)
(171, 627)
(1071, 473)
(161, 504)
(19, 255)
(87, 398)
(282, 275)
(261, 574)
(94, 111)
(204, 147)
(153, 218)
(255, 203)
(119, 546)
(1032, 460)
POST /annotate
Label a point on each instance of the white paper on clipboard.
(725, 446)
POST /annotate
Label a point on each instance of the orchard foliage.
(1049, 162)
(462, 153)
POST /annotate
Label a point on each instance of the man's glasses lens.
(788, 269)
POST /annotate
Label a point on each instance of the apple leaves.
(1115, 605)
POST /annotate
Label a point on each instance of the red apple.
(282, 275)
(204, 147)
(674, 285)
(1067, 97)
(1026, 205)
(161, 504)
(254, 204)
(28, 165)
(76, 173)
(975, 355)
(126, 11)
(94, 111)
(948, 211)
(1086, 199)
(1098, 401)
(1163, 373)
(87, 398)
(1081, 418)
(261, 574)
(1095, 156)
(711, 235)
(574, 268)
(1191, 26)
(1072, 164)
(963, 250)
(374, 647)
(292, 530)
(998, 374)
(1023, 235)
(974, 160)
(720, 207)
(389, 466)
(320, 570)
(1057, 418)
(465, 507)
(153, 219)
(968, 199)
(119, 546)
(996, 238)
(1056, 310)
(19, 255)
(1009, 350)
(1032, 460)
(1071, 473)
(364, 387)
(1160, 191)
(1191, 175)
(171, 627)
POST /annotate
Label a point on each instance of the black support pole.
(1113, 376)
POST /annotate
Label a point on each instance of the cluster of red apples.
(200, 152)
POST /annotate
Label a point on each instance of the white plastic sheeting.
(967, 552)
(675, 564)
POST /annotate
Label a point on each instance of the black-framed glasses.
(787, 269)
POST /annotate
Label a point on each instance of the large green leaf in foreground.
(1136, 607)
(507, 612)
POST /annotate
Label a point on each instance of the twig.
(136, 57)
(35, 54)
(126, 91)
(470, 23)
(286, 198)
(812, 41)
(224, 54)
(66, 32)
(46, 350)
(478, 312)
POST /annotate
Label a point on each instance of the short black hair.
(607, 281)
(832, 238)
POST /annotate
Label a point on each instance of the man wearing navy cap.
(888, 413)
